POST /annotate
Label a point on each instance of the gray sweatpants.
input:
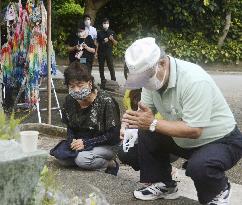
(97, 158)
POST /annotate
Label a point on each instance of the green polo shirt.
(193, 97)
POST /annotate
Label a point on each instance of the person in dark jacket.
(106, 39)
(81, 47)
(93, 123)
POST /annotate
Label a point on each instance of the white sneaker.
(157, 191)
(222, 198)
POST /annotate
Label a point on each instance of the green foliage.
(47, 192)
(60, 43)
(8, 127)
(186, 17)
(188, 29)
(47, 178)
(119, 49)
(70, 8)
(66, 17)
(46, 188)
(198, 49)
(194, 48)
(206, 2)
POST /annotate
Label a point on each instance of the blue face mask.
(81, 94)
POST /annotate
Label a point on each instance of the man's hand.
(140, 119)
(105, 40)
(77, 145)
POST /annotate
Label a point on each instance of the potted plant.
(9, 127)
(9, 135)
(9, 132)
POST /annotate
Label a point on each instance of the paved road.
(231, 87)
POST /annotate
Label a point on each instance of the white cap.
(142, 55)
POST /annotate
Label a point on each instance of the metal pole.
(49, 59)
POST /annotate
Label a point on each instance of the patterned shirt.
(97, 124)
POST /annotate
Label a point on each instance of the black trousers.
(106, 55)
(89, 65)
(206, 164)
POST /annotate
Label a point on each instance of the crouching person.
(198, 125)
(93, 123)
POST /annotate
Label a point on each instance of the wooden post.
(0, 26)
(1, 72)
(49, 58)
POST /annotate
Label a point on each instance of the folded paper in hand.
(130, 137)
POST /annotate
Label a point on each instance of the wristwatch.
(153, 125)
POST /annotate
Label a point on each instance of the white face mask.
(106, 26)
(154, 83)
(88, 22)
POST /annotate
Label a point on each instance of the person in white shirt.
(92, 31)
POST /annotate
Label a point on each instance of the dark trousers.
(130, 158)
(103, 56)
(89, 65)
(206, 164)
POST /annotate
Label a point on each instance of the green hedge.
(188, 29)
(66, 17)
(194, 48)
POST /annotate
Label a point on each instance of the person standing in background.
(81, 47)
(106, 38)
(92, 31)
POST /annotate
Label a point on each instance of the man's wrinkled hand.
(140, 119)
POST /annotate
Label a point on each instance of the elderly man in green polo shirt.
(198, 125)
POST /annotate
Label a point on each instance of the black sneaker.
(157, 191)
(113, 170)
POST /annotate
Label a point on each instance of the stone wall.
(19, 173)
